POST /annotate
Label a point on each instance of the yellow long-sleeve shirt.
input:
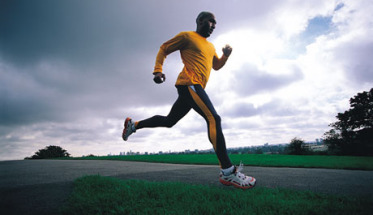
(198, 56)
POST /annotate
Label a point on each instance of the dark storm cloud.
(59, 59)
(77, 31)
(86, 31)
(62, 58)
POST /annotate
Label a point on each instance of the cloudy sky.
(71, 71)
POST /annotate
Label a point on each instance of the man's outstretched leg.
(179, 109)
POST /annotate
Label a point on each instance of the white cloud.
(301, 95)
(292, 17)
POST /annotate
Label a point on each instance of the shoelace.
(240, 167)
(238, 171)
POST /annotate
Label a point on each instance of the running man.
(199, 57)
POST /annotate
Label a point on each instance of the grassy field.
(303, 161)
(104, 195)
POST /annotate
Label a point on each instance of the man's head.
(205, 24)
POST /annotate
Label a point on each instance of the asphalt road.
(42, 186)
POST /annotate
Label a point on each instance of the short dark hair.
(202, 15)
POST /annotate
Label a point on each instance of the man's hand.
(159, 77)
(227, 50)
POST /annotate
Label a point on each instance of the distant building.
(315, 147)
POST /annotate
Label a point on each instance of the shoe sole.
(228, 183)
(125, 129)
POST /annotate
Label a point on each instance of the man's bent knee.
(169, 124)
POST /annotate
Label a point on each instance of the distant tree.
(352, 134)
(259, 150)
(50, 152)
(297, 147)
(333, 140)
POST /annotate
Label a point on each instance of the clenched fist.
(227, 50)
(159, 78)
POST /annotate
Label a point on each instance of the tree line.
(351, 134)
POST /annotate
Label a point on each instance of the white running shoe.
(238, 179)
(129, 128)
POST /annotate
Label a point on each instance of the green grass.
(104, 195)
(303, 161)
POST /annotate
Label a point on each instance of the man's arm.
(218, 63)
(167, 48)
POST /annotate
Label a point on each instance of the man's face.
(207, 25)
